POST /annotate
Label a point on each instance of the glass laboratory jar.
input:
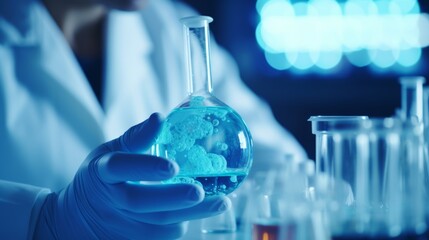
(335, 136)
(339, 150)
(208, 139)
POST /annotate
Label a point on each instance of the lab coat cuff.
(20, 205)
(35, 212)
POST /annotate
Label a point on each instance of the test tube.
(412, 97)
(425, 107)
(426, 147)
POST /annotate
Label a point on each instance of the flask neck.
(197, 48)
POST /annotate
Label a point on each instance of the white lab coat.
(50, 118)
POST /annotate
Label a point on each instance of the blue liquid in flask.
(209, 141)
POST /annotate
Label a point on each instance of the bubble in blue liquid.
(233, 179)
(215, 122)
(221, 146)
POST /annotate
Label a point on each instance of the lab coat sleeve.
(20, 205)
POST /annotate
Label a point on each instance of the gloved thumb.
(139, 137)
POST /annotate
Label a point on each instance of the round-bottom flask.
(208, 139)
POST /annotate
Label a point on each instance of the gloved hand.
(101, 204)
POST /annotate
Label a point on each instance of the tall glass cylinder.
(426, 148)
(412, 97)
(341, 150)
(208, 139)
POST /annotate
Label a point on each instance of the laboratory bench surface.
(195, 233)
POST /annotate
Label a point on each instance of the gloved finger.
(145, 198)
(139, 137)
(211, 206)
(120, 167)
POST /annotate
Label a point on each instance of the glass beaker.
(208, 139)
(335, 136)
(339, 150)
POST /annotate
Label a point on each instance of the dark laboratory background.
(295, 96)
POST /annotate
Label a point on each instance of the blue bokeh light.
(318, 34)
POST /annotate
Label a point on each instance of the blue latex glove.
(100, 204)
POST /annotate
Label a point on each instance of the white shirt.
(50, 118)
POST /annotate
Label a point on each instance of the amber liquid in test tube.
(263, 231)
